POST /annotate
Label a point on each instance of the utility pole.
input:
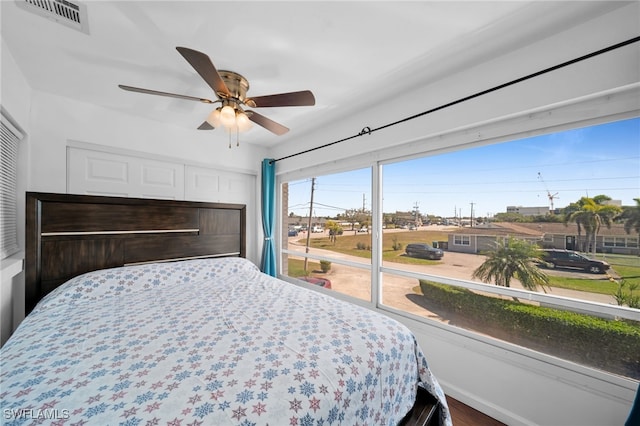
(472, 203)
(306, 259)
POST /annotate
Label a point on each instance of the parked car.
(322, 282)
(570, 259)
(423, 250)
(293, 233)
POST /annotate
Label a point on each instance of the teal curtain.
(268, 216)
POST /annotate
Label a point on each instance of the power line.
(476, 182)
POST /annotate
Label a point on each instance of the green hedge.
(611, 345)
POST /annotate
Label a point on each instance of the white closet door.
(204, 184)
(103, 173)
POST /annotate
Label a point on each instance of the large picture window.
(328, 232)
(478, 239)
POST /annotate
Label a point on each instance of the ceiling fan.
(231, 89)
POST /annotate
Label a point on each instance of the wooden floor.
(463, 415)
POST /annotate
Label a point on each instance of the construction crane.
(550, 196)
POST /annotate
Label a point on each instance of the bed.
(193, 336)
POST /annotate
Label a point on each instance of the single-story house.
(614, 239)
(611, 240)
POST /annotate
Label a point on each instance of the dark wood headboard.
(68, 235)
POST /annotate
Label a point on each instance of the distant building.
(612, 203)
(407, 218)
(528, 211)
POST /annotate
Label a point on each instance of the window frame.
(500, 130)
(10, 137)
(378, 269)
(283, 187)
(464, 240)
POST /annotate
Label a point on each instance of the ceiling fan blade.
(302, 98)
(170, 95)
(267, 123)
(203, 65)
(205, 126)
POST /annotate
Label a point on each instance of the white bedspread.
(211, 342)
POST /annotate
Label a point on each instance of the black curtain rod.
(368, 131)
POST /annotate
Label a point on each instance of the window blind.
(10, 137)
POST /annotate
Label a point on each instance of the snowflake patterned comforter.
(206, 342)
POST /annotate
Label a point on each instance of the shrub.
(325, 266)
(624, 297)
(560, 333)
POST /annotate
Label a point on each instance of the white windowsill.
(12, 265)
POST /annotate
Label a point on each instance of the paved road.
(399, 291)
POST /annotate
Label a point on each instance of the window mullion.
(376, 238)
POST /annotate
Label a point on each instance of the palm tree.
(574, 213)
(512, 258)
(590, 215)
(334, 228)
(632, 218)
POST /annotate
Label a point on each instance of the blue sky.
(603, 159)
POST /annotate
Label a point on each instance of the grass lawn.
(627, 267)
(348, 243)
(359, 244)
(619, 259)
(601, 285)
(296, 267)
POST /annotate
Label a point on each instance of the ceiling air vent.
(71, 14)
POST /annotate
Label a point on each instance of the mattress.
(208, 341)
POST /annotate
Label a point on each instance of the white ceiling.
(349, 54)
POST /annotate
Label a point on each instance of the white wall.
(16, 103)
(512, 384)
(61, 120)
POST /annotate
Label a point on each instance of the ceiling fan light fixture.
(214, 118)
(228, 116)
(243, 121)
